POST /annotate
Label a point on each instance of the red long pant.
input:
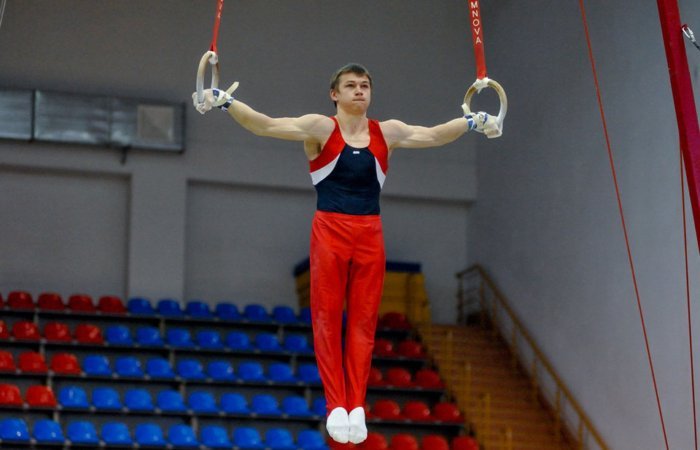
(347, 261)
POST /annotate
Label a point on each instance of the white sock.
(358, 429)
(337, 425)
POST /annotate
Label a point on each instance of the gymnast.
(348, 158)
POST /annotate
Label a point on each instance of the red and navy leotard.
(349, 180)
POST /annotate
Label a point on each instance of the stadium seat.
(149, 434)
(128, 366)
(434, 442)
(50, 301)
(284, 314)
(171, 401)
(73, 397)
(111, 304)
(416, 410)
(10, 395)
(383, 348)
(14, 430)
(81, 303)
(180, 435)
(179, 338)
(138, 400)
(221, 371)
(141, 306)
(48, 431)
(197, 308)
(116, 433)
(376, 441)
(279, 439)
(318, 407)
(297, 343)
(403, 441)
(57, 332)
(411, 349)
(202, 402)
(281, 373)
(238, 341)
(227, 311)
(247, 437)
(209, 339)
(311, 440)
(214, 436)
(464, 443)
(428, 379)
(32, 362)
(149, 337)
(96, 365)
(305, 315)
(308, 373)
(106, 398)
(20, 300)
(170, 308)
(446, 412)
(87, 333)
(4, 332)
(82, 432)
(296, 405)
(26, 331)
(376, 377)
(386, 409)
(234, 403)
(267, 342)
(190, 369)
(395, 321)
(118, 335)
(159, 368)
(398, 377)
(40, 396)
(265, 404)
(65, 364)
(256, 313)
(7, 361)
(251, 371)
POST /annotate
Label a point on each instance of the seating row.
(152, 435)
(405, 441)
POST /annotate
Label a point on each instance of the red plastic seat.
(374, 441)
(428, 379)
(383, 347)
(39, 396)
(26, 331)
(411, 349)
(4, 332)
(10, 395)
(416, 410)
(403, 441)
(395, 320)
(7, 361)
(20, 300)
(65, 363)
(333, 445)
(57, 332)
(399, 377)
(464, 443)
(50, 301)
(81, 302)
(32, 362)
(386, 409)
(376, 378)
(434, 442)
(447, 412)
(87, 333)
(111, 304)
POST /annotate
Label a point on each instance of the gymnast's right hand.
(214, 98)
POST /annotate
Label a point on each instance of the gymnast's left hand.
(214, 98)
(485, 123)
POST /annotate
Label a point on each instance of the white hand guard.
(215, 98)
(483, 122)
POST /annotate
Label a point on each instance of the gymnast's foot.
(337, 425)
(358, 430)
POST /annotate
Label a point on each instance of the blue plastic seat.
(209, 339)
(118, 335)
(281, 373)
(106, 398)
(169, 308)
(190, 369)
(305, 315)
(279, 439)
(140, 305)
(149, 434)
(311, 440)
(179, 337)
(267, 342)
(116, 433)
(284, 314)
(221, 371)
(256, 313)
(73, 397)
(237, 340)
(247, 437)
(202, 402)
(128, 366)
(159, 368)
(82, 432)
(149, 337)
(308, 373)
(138, 400)
(265, 404)
(96, 365)
(297, 343)
(318, 406)
(15, 430)
(181, 435)
(171, 401)
(234, 403)
(197, 308)
(251, 371)
(228, 311)
(48, 431)
(214, 436)
(296, 405)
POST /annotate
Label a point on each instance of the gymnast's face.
(354, 92)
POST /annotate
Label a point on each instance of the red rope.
(217, 22)
(477, 38)
(622, 216)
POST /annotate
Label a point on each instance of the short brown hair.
(357, 69)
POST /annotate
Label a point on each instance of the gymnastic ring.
(212, 59)
(477, 87)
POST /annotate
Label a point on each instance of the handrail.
(585, 423)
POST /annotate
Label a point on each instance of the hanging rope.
(622, 215)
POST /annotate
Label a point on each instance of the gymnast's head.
(352, 83)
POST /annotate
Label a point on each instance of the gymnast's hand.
(214, 98)
(484, 123)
